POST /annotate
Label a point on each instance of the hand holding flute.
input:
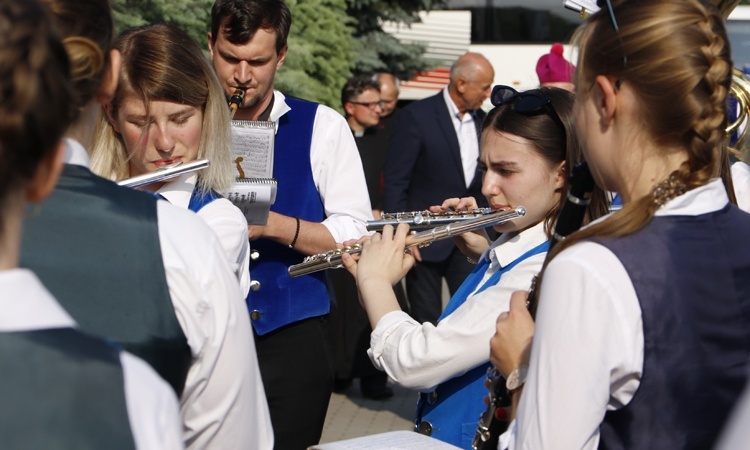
(471, 244)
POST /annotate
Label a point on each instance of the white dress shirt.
(151, 403)
(468, 142)
(337, 172)
(223, 404)
(224, 218)
(741, 182)
(421, 356)
(587, 352)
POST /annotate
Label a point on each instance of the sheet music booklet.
(255, 188)
(254, 197)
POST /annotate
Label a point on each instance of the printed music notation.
(253, 147)
(254, 197)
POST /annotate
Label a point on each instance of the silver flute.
(164, 174)
(332, 258)
(425, 219)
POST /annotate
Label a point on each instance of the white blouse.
(421, 356)
(587, 352)
(225, 219)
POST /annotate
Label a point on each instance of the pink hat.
(553, 67)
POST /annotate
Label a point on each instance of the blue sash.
(476, 275)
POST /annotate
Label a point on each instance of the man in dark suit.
(432, 156)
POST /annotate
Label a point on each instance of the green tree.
(321, 51)
(329, 41)
(193, 16)
(381, 52)
(321, 48)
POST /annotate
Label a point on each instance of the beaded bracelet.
(296, 235)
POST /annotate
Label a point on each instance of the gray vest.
(61, 389)
(95, 246)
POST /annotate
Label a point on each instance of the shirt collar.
(27, 305)
(75, 153)
(279, 108)
(179, 190)
(508, 247)
(453, 109)
(701, 200)
(451, 105)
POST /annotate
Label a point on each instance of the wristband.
(296, 235)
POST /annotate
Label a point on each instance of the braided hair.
(35, 93)
(674, 49)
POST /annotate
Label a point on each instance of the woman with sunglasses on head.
(526, 149)
(642, 332)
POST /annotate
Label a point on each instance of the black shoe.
(340, 386)
(376, 387)
(383, 393)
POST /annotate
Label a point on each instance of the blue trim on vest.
(200, 198)
(281, 299)
(696, 328)
(455, 414)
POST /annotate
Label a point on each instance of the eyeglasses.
(611, 11)
(371, 105)
(526, 103)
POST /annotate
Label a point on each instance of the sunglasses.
(601, 4)
(526, 103)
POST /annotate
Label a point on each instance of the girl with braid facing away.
(642, 331)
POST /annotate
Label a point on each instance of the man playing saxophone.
(321, 199)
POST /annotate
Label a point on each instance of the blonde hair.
(674, 49)
(162, 63)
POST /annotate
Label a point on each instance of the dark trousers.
(350, 331)
(297, 369)
(424, 287)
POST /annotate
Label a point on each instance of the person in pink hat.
(553, 70)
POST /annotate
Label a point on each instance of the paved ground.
(352, 415)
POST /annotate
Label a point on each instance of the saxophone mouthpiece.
(235, 101)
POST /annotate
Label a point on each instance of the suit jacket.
(423, 166)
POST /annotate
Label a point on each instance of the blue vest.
(200, 198)
(453, 409)
(281, 299)
(61, 389)
(692, 279)
(95, 246)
